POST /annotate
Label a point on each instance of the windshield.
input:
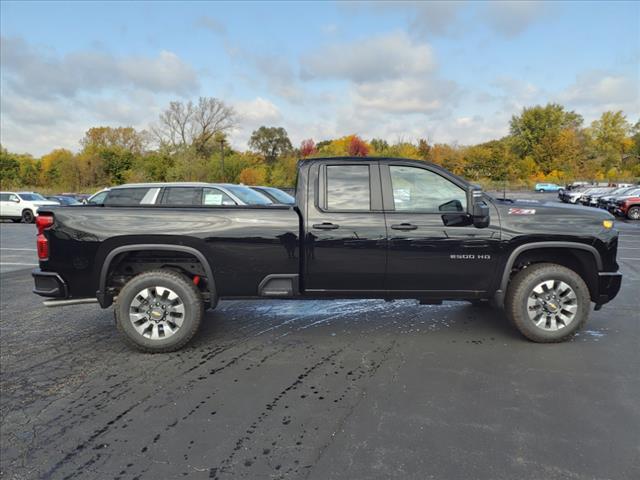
(248, 196)
(280, 196)
(32, 197)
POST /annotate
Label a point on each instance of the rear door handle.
(404, 226)
(325, 226)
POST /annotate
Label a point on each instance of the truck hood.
(546, 216)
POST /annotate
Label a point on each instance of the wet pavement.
(319, 390)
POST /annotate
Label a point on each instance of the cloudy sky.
(446, 71)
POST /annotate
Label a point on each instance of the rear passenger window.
(126, 196)
(182, 196)
(348, 187)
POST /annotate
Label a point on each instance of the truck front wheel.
(159, 311)
(547, 302)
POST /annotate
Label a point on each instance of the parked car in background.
(276, 195)
(63, 199)
(628, 207)
(179, 193)
(591, 199)
(572, 196)
(608, 201)
(577, 184)
(21, 206)
(547, 187)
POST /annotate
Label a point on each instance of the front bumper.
(49, 284)
(608, 287)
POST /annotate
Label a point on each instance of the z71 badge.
(522, 211)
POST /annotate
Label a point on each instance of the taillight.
(42, 244)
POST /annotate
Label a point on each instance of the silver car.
(179, 193)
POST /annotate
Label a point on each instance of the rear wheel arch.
(583, 259)
(118, 255)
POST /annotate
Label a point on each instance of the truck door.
(345, 241)
(424, 253)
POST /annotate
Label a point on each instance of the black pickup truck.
(361, 228)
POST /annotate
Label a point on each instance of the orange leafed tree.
(252, 176)
(358, 147)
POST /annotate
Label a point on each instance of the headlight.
(608, 224)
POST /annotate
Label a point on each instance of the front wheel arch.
(584, 259)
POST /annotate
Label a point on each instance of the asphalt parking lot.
(317, 390)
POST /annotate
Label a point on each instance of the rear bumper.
(49, 284)
(608, 287)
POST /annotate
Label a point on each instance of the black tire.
(633, 213)
(541, 191)
(189, 296)
(522, 285)
(28, 216)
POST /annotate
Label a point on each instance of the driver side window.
(419, 190)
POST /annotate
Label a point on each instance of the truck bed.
(244, 244)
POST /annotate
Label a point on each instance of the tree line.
(189, 142)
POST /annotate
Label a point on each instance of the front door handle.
(325, 226)
(404, 226)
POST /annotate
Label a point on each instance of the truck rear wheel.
(547, 302)
(159, 311)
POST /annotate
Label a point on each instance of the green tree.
(535, 131)
(271, 142)
(9, 168)
(110, 153)
(610, 139)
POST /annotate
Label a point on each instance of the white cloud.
(405, 95)
(511, 18)
(39, 73)
(372, 59)
(251, 115)
(257, 110)
(603, 89)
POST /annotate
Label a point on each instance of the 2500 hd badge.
(469, 256)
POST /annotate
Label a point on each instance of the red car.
(629, 207)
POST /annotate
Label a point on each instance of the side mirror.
(479, 209)
(15, 200)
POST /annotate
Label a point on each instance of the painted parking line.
(20, 249)
(26, 264)
(628, 258)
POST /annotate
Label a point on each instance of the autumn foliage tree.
(358, 147)
(307, 148)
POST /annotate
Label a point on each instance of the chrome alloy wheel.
(552, 305)
(156, 312)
